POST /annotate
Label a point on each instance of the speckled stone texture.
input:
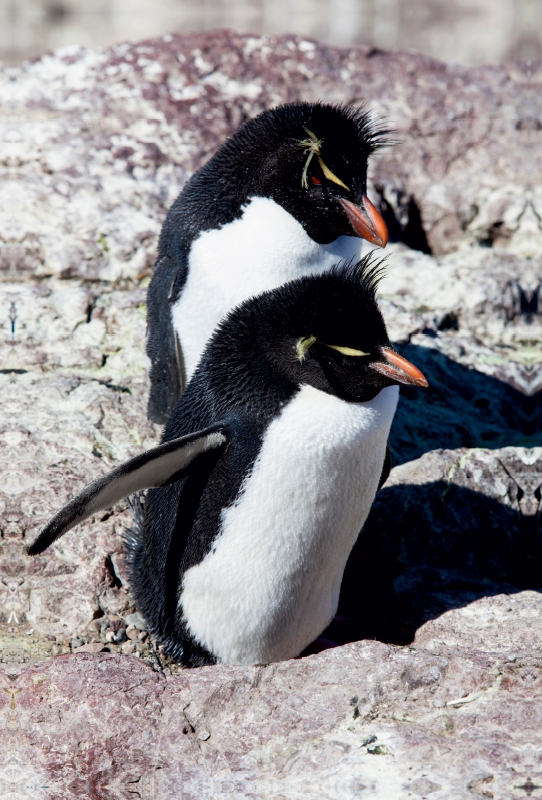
(364, 720)
(94, 147)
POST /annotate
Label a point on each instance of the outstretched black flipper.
(157, 467)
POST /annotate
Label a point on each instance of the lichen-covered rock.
(94, 147)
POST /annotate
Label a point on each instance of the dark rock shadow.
(406, 225)
(426, 549)
(461, 408)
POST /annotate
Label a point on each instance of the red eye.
(316, 181)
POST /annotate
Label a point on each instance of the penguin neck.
(255, 386)
(263, 249)
(221, 191)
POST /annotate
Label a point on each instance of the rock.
(120, 636)
(137, 621)
(451, 529)
(445, 575)
(365, 719)
(115, 622)
(92, 647)
(462, 173)
(95, 624)
(463, 323)
(132, 632)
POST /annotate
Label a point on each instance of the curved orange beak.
(399, 369)
(366, 221)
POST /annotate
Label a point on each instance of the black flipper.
(163, 348)
(386, 467)
(157, 467)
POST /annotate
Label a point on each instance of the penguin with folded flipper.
(267, 470)
(285, 196)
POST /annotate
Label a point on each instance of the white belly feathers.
(263, 249)
(271, 583)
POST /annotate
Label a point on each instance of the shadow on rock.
(429, 548)
(461, 408)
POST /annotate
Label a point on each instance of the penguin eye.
(316, 181)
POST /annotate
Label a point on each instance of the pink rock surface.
(363, 720)
(110, 136)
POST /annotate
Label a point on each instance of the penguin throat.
(263, 249)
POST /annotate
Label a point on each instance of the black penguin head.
(325, 331)
(311, 158)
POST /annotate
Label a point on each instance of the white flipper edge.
(154, 468)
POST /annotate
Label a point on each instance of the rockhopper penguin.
(284, 196)
(267, 470)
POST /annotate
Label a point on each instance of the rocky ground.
(434, 691)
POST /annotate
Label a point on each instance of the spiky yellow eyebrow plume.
(346, 351)
(313, 146)
(302, 345)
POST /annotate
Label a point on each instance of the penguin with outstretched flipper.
(285, 196)
(266, 473)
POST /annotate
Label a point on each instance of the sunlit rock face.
(95, 146)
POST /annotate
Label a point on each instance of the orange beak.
(366, 221)
(399, 369)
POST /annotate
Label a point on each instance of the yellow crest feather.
(330, 175)
(302, 345)
(346, 351)
(313, 146)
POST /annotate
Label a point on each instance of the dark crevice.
(404, 222)
(414, 234)
(90, 309)
(13, 371)
(115, 581)
(449, 322)
(392, 223)
(492, 234)
(116, 388)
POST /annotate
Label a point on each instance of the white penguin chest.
(263, 249)
(271, 582)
